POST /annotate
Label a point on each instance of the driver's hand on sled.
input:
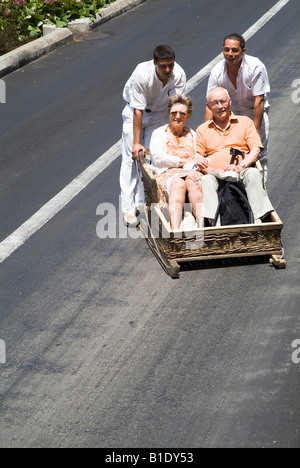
(135, 151)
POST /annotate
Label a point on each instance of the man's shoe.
(130, 219)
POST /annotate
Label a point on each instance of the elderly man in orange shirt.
(214, 139)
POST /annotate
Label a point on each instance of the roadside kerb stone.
(105, 14)
(34, 50)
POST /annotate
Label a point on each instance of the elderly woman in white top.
(175, 162)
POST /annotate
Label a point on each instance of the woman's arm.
(159, 156)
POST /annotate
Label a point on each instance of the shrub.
(22, 20)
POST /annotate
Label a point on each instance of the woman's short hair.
(180, 99)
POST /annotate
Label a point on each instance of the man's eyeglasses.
(216, 103)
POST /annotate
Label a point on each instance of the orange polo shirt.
(214, 143)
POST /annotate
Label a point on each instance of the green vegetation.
(22, 20)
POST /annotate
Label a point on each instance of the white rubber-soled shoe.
(130, 219)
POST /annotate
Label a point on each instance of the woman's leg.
(196, 199)
(176, 201)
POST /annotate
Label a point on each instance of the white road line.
(57, 203)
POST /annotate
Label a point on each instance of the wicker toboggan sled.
(175, 247)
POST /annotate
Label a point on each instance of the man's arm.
(137, 133)
(249, 160)
(254, 144)
(258, 111)
(201, 149)
(180, 84)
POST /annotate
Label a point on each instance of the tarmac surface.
(103, 349)
(56, 37)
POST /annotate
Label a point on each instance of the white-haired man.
(246, 79)
(214, 139)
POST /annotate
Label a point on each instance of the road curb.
(116, 9)
(32, 51)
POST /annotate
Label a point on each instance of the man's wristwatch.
(243, 165)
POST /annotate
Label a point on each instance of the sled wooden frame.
(172, 248)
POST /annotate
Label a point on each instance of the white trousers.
(264, 134)
(131, 195)
(252, 181)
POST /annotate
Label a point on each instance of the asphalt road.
(103, 349)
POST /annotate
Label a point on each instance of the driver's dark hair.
(236, 37)
(163, 52)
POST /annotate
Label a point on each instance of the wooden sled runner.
(172, 248)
